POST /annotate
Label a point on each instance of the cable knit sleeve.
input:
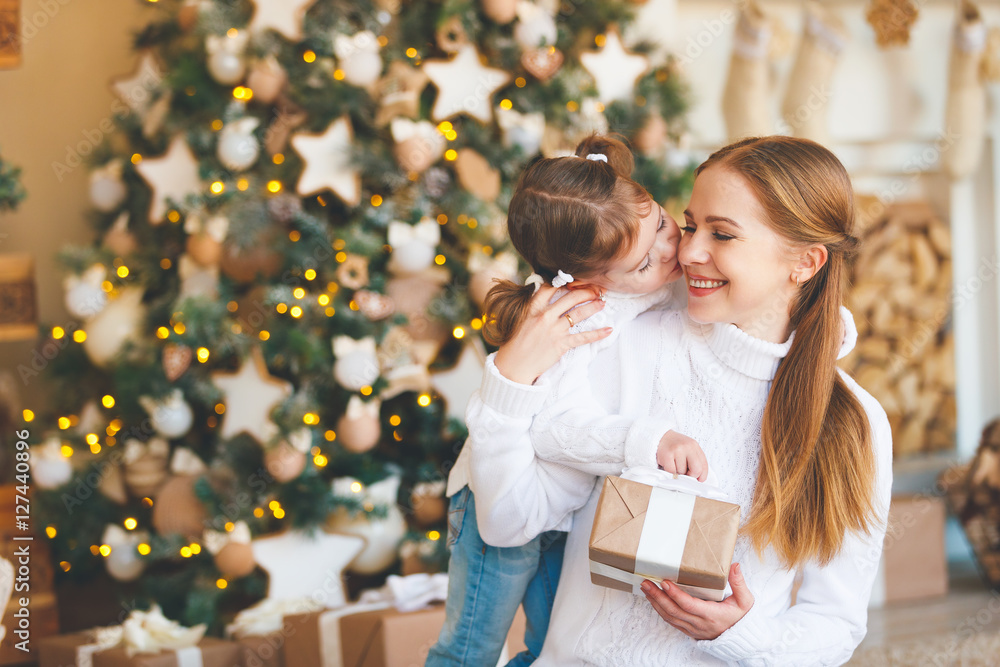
(829, 618)
(517, 495)
(576, 430)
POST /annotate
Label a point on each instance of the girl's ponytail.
(506, 306)
(619, 156)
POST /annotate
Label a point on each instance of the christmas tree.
(297, 216)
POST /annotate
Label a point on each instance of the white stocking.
(745, 103)
(965, 114)
(808, 94)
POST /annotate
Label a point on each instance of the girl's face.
(652, 263)
(738, 269)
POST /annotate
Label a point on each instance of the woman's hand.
(700, 619)
(544, 336)
(682, 455)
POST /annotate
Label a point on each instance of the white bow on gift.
(409, 593)
(345, 345)
(674, 482)
(268, 615)
(217, 226)
(216, 540)
(427, 231)
(151, 632)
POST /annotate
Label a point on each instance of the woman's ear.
(811, 260)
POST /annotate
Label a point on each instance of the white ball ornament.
(226, 68)
(226, 62)
(359, 429)
(238, 148)
(107, 191)
(123, 562)
(49, 468)
(413, 246)
(112, 327)
(83, 299)
(171, 417)
(382, 535)
(358, 57)
(356, 364)
(535, 27)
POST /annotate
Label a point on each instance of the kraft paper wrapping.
(78, 649)
(688, 539)
(360, 635)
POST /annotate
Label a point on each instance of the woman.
(748, 372)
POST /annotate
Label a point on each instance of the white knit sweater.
(552, 391)
(709, 382)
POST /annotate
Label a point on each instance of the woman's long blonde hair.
(816, 480)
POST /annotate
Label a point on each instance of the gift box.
(653, 525)
(362, 635)
(268, 649)
(914, 563)
(81, 649)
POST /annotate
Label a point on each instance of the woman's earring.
(796, 281)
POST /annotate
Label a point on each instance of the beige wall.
(48, 106)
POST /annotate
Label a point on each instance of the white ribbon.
(216, 540)
(672, 482)
(216, 226)
(331, 643)
(359, 409)
(410, 593)
(536, 280)
(136, 450)
(427, 231)
(597, 157)
(146, 632)
(562, 279)
(232, 42)
(268, 615)
(186, 462)
(345, 345)
(345, 46)
(503, 263)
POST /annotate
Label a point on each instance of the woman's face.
(737, 269)
(651, 263)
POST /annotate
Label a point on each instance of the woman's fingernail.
(646, 587)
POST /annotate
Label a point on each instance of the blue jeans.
(485, 586)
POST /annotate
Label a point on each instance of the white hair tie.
(597, 157)
(536, 280)
(562, 279)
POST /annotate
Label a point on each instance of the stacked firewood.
(899, 293)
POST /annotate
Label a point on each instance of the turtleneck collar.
(741, 352)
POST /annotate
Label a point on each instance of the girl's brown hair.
(816, 480)
(568, 214)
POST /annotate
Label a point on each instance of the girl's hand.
(681, 455)
(544, 336)
(700, 619)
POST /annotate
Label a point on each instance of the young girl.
(748, 370)
(579, 221)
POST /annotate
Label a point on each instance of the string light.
(323, 299)
(230, 526)
(320, 461)
(433, 535)
(136, 158)
(174, 216)
(520, 82)
(162, 333)
(376, 200)
(58, 333)
(338, 74)
(278, 158)
(217, 187)
(221, 583)
(296, 312)
(309, 56)
(105, 550)
(79, 336)
(451, 154)
(395, 420)
(279, 513)
(506, 104)
(310, 418)
(91, 438)
(281, 308)
(264, 335)
(298, 292)
(424, 400)
(165, 263)
(330, 436)
(294, 235)
(458, 332)
(310, 274)
(411, 52)
(242, 184)
(220, 408)
(64, 423)
(50, 531)
(202, 354)
(274, 186)
(108, 401)
(258, 513)
(144, 549)
(130, 523)
(65, 566)
(356, 487)
(440, 260)
(186, 552)
(179, 328)
(28, 415)
(366, 390)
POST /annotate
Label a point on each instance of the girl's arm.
(829, 618)
(517, 495)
